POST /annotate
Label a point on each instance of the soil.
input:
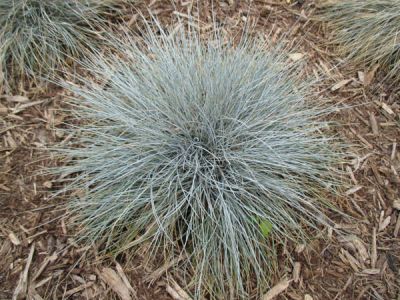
(40, 260)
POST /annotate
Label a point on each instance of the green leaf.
(265, 227)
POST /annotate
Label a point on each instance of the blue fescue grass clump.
(366, 32)
(204, 150)
(40, 37)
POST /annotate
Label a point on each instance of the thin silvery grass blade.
(204, 150)
(366, 33)
(39, 38)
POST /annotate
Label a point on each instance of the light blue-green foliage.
(40, 37)
(367, 33)
(181, 144)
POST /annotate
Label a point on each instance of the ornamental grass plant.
(366, 32)
(204, 150)
(38, 38)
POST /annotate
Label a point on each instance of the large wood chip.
(14, 239)
(353, 190)
(110, 277)
(176, 292)
(384, 223)
(279, 288)
(361, 76)
(359, 246)
(296, 56)
(374, 254)
(347, 258)
(374, 124)
(385, 107)
(396, 204)
(125, 279)
(397, 227)
(296, 272)
(3, 110)
(43, 282)
(22, 287)
(369, 76)
(18, 99)
(78, 289)
(340, 84)
(22, 107)
(394, 150)
(371, 271)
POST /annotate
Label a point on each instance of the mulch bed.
(40, 260)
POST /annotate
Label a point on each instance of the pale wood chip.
(176, 292)
(3, 110)
(92, 277)
(340, 84)
(19, 108)
(19, 99)
(78, 289)
(121, 273)
(110, 277)
(396, 204)
(78, 279)
(22, 286)
(63, 227)
(307, 297)
(384, 223)
(353, 190)
(361, 76)
(14, 239)
(180, 291)
(371, 271)
(296, 56)
(355, 244)
(374, 124)
(374, 254)
(393, 154)
(48, 184)
(351, 174)
(361, 249)
(347, 257)
(393, 169)
(43, 282)
(397, 227)
(279, 288)
(369, 76)
(300, 248)
(387, 108)
(296, 271)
